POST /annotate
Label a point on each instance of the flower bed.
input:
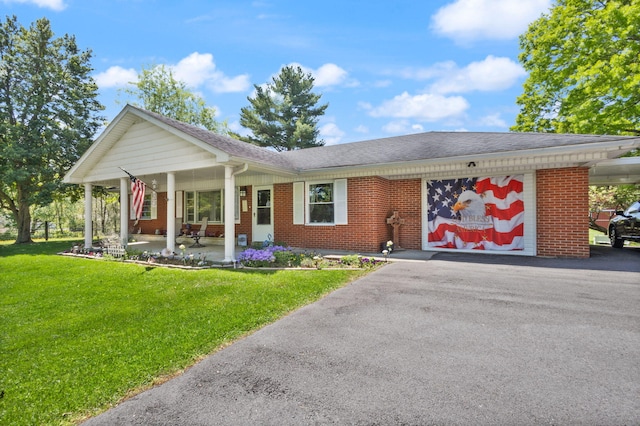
(162, 258)
(278, 256)
(271, 256)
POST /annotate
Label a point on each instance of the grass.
(80, 334)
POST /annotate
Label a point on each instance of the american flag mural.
(481, 213)
(137, 189)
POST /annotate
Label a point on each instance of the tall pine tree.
(284, 114)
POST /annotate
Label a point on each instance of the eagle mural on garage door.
(482, 213)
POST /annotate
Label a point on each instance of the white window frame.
(185, 214)
(192, 218)
(149, 210)
(302, 208)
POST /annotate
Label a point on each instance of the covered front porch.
(165, 207)
(192, 177)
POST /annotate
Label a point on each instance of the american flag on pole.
(137, 188)
(482, 213)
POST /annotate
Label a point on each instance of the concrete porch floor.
(213, 249)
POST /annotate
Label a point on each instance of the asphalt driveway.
(458, 339)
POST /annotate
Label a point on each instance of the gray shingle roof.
(414, 147)
(432, 145)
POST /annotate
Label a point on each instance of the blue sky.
(386, 68)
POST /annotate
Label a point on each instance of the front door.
(262, 213)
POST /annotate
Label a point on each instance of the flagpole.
(133, 177)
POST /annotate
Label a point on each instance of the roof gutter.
(243, 169)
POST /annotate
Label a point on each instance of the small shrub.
(307, 262)
(287, 258)
(352, 260)
(368, 263)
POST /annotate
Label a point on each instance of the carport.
(618, 171)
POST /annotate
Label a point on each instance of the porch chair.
(201, 233)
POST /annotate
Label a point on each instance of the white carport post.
(88, 209)
(229, 215)
(124, 211)
(171, 211)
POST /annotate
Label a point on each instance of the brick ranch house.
(507, 193)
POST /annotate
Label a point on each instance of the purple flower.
(256, 257)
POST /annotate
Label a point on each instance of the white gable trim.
(129, 122)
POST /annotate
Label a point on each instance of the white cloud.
(467, 20)
(362, 129)
(195, 70)
(328, 75)
(221, 84)
(116, 76)
(402, 127)
(490, 74)
(426, 107)
(200, 69)
(56, 5)
(493, 120)
(331, 134)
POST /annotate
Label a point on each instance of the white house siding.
(145, 149)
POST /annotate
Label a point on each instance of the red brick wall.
(370, 201)
(150, 226)
(406, 197)
(562, 215)
(562, 201)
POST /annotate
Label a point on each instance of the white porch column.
(88, 209)
(124, 210)
(229, 215)
(171, 211)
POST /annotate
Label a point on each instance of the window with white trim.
(201, 204)
(210, 204)
(149, 211)
(320, 203)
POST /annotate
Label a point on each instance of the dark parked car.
(625, 225)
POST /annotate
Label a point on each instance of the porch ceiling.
(616, 172)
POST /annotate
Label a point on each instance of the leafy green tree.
(582, 59)
(283, 115)
(48, 115)
(160, 92)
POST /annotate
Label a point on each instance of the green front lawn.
(78, 335)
